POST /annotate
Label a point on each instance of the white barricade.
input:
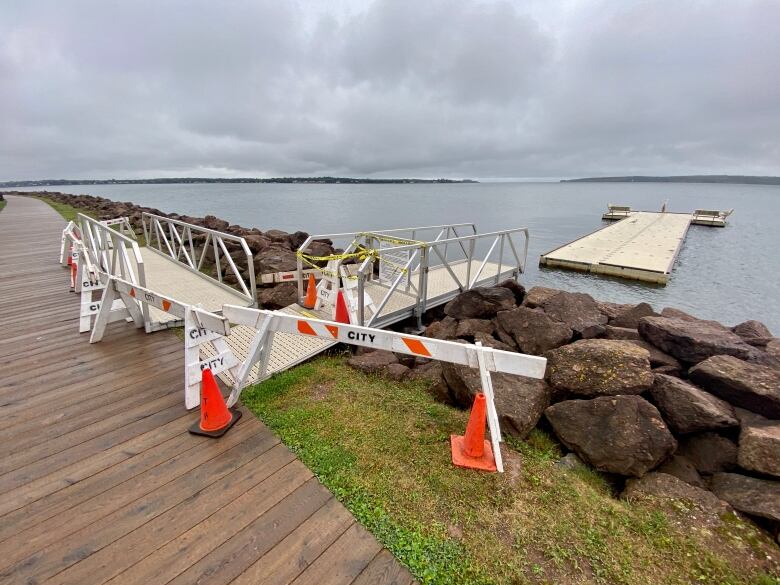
(474, 355)
(122, 300)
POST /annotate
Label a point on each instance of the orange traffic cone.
(311, 293)
(342, 314)
(472, 450)
(215, 417)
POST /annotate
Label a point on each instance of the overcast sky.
(423, 88)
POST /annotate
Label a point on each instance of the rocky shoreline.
(664, 403)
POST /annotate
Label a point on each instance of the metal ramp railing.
(406, 271)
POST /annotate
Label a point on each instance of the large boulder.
(431, 374)
(471, 327)
(750, 386)
(374, 362)
(658, 358)
(757, 497)
(759, 445)
(688, 409)
(752, 329)
(681, 468)
(617, 434)
(531, 330)
(599, 367)
(444, 329)
(577, 310)
(612, 310)
(520, 401)
(275, 259)
(538, 295)
(709, 452)
(692, 341)
(631, 316)
(278, 297)
(480, 303)
(662, 485)
(611, 332)
(517, 289)
(214, 223)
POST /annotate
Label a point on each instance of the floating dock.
(641, 246)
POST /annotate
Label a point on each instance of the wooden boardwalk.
(101, 483)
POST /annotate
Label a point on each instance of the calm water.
(730, 274)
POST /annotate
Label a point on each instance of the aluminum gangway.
(403, 273)
(172, 262)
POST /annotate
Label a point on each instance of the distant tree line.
(306, 180)
(737, 179)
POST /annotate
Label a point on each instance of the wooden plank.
(384, 568)
(233, 557)
(344, 560)
(284, 562)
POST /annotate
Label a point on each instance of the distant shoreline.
(191, 180)
(726, 179)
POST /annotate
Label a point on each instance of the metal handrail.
(108, 250)
(172, 238)
(448, 246)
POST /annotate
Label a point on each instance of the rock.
(517, 289)
(681, 468)
(471, 327)
(257, 243)
(444, 329)
(760, 342)
(773, 348)
(598, 367)
(214, 223)
(278, 297)
(688, 409)
(709, 452)
(396, 372)
(492, 342)
(592, 331)
(617, 434)
(538, 295)
(612, 332)
(664, 485)
(751, 329)
(678, 314)
(520, 401)
(432, 374)
(757, 497)
(630, 317)
(275, 259)
(531, 330)
(480, 303)
(759, 445)
(750, 386)
(570, 462)
(279, 237)
(372, 363)
(692, 341)
(668, 370)
(612, 310)
(657, 357)
(317, 248)
(577, 310)
(298, 238)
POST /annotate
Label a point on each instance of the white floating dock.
(642, 246)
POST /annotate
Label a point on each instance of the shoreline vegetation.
(678, 483)
(193, 180)
(726, 179)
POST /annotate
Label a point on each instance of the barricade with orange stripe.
(123, 300)
(474, 355)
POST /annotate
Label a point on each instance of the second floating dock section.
(643, 246)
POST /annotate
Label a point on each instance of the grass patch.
(383, 449)
(3, 204)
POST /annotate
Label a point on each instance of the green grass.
(383, 449)
(3, 204)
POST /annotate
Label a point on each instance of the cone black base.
(196, 430)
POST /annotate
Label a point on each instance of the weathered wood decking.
(99, 480)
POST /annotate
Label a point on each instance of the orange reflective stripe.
(416, 346)
(166, 305)
(306, 329)
(132, 292)
(334, 331)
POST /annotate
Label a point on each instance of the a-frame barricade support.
(486, 359)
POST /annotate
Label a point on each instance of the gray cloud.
(388, 88)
